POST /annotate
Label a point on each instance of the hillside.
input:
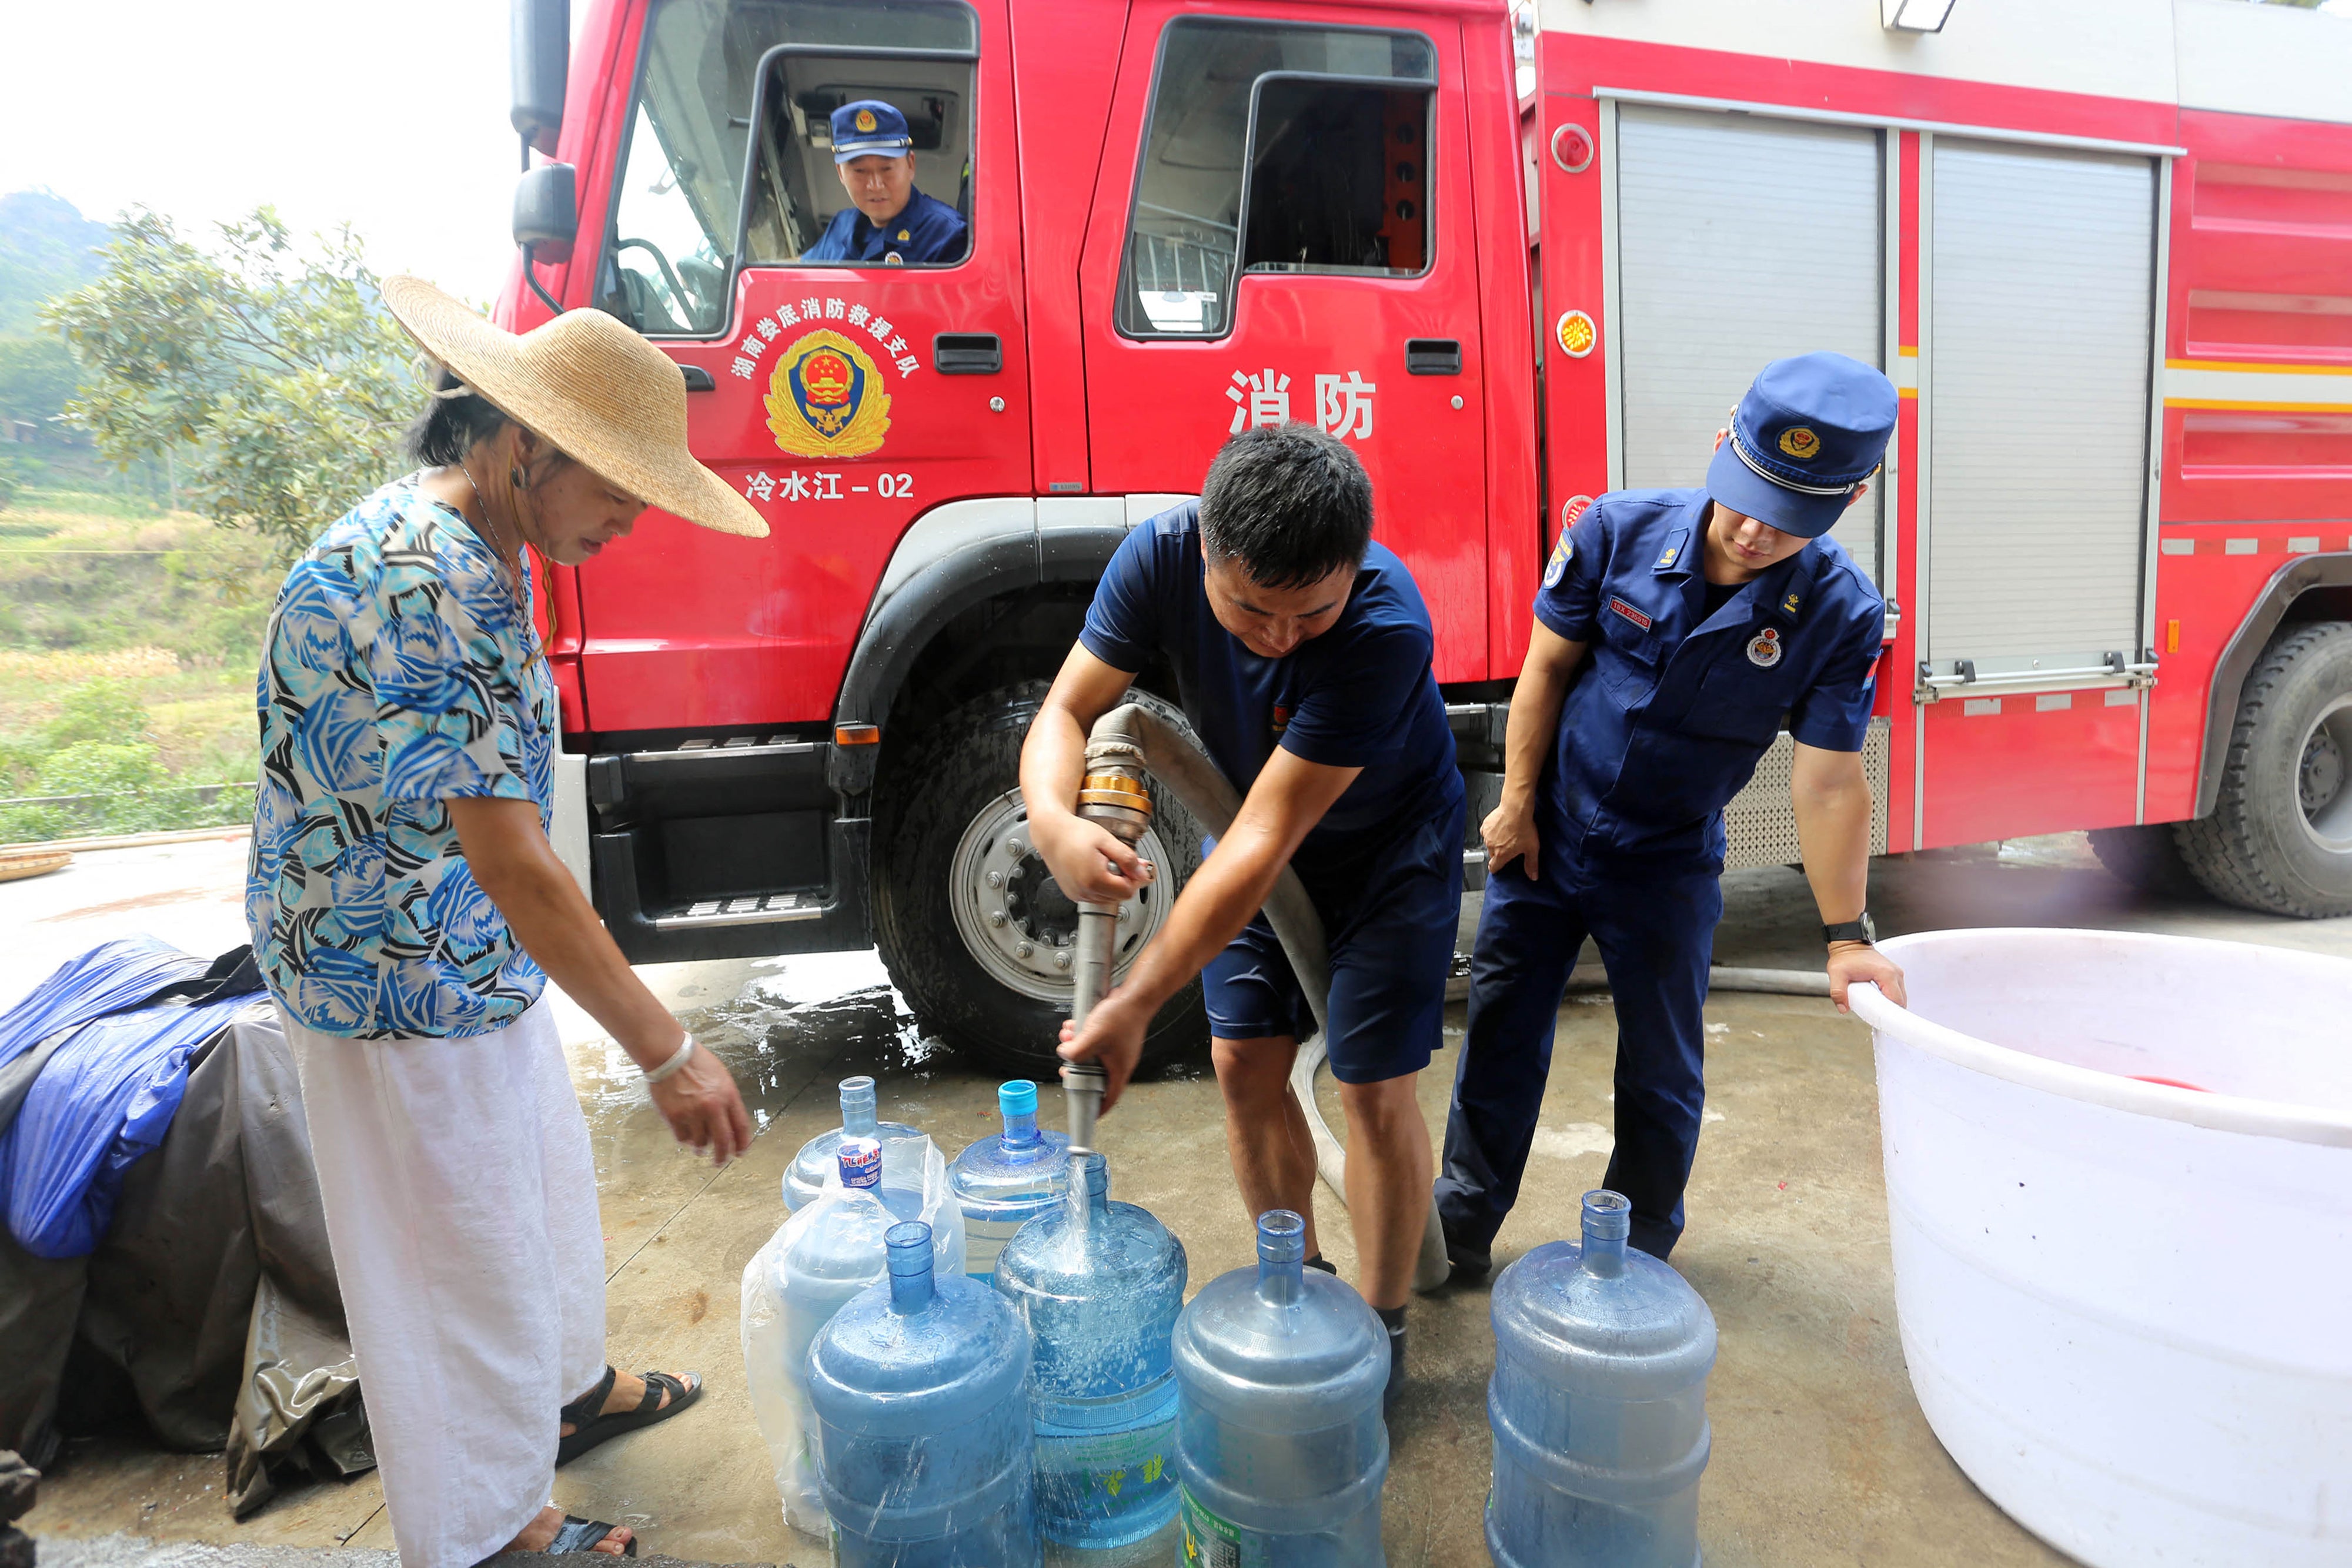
(47, 247)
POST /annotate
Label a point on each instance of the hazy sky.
(391, 116)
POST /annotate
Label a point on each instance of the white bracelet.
(684, 1050)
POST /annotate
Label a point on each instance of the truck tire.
(2146, 857)
(2280, 837)
(948, 817)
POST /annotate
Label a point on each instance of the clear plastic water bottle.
(1007, 1177)
(821, 1260)
(923, 1444)
(1099, 1285)
(1598, 1404)
(1281, 1450)
(811, 1166)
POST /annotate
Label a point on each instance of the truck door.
(845, 398)
(2035, 368)
(1284, 232)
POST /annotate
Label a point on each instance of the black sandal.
(578, 1534)
(590, 1426)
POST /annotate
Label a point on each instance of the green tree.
(275, 377)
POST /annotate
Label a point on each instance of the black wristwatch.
(1859, 929)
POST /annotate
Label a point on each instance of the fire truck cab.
(2101, 249)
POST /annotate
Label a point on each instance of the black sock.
(1320, 1262)
(1391, 1318)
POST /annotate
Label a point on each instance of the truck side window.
(669, 259)
(1293, 133)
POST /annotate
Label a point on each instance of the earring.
(515, 478)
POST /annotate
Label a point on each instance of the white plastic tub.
(2127, 1307)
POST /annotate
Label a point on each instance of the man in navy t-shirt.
(1301, 651)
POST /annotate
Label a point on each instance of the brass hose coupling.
(1113, 793)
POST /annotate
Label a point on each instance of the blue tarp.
(108, 1092)
(106, 979)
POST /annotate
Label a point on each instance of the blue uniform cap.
(869, 128)
(1808, 431)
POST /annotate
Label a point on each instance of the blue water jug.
(819, 1262)
(1099, 1284)
(923, 1446)
(1281, 1450)
(1007, 1178)
(807, 1178)
(1598, 1404)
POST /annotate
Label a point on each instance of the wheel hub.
(1016, 920)
(2321, 775)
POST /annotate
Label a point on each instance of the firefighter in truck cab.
(887, 221)
(1302, 651)
(1674, 630)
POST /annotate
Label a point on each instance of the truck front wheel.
(2280, 837)
(976, 934)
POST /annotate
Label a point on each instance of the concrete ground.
(1821, 1454)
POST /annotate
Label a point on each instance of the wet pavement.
(1821, 1454)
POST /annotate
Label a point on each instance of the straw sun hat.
(585, 382)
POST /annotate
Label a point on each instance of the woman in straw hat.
(408, 909)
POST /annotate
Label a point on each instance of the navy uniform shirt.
(1360, 696)
(926, 229)
(1673, 707)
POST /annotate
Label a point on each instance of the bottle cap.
(1018, 1098)
(861, 1163)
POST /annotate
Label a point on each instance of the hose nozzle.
(1083, 1083)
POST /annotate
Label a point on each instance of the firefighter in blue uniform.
(1673, 631)
(887, 221)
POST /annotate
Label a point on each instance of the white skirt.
(461, 1210)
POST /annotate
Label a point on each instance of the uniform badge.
(905, 235)
(1788, 605)
(1801, 443)
(1637, 618)
(1557, 568)
(892, 258)
(1281, 720)
(825, 399)
(1668, 557)
(1764, 650)
(865, 121)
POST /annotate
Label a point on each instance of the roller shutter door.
(1740, 240)
(2038, 371)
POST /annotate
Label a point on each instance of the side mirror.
(540, 45)
(547, 211)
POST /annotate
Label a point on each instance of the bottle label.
(1209, 1542)
(861, 1163)
(1090, 1485)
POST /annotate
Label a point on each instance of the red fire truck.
(2103, 250)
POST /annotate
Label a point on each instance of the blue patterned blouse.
(398, 674)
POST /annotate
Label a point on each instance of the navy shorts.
(1390, 925)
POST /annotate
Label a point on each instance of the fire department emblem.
(865, 121)
(825, 399)
(1801, 443)
(1576, 334)
(1765, 649)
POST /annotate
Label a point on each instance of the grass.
(128, 646)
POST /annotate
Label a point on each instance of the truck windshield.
(1292, 132)
(671, 250)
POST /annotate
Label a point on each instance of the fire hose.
(1132, 741)
(1128, 743)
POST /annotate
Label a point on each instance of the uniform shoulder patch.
(1557, 568)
